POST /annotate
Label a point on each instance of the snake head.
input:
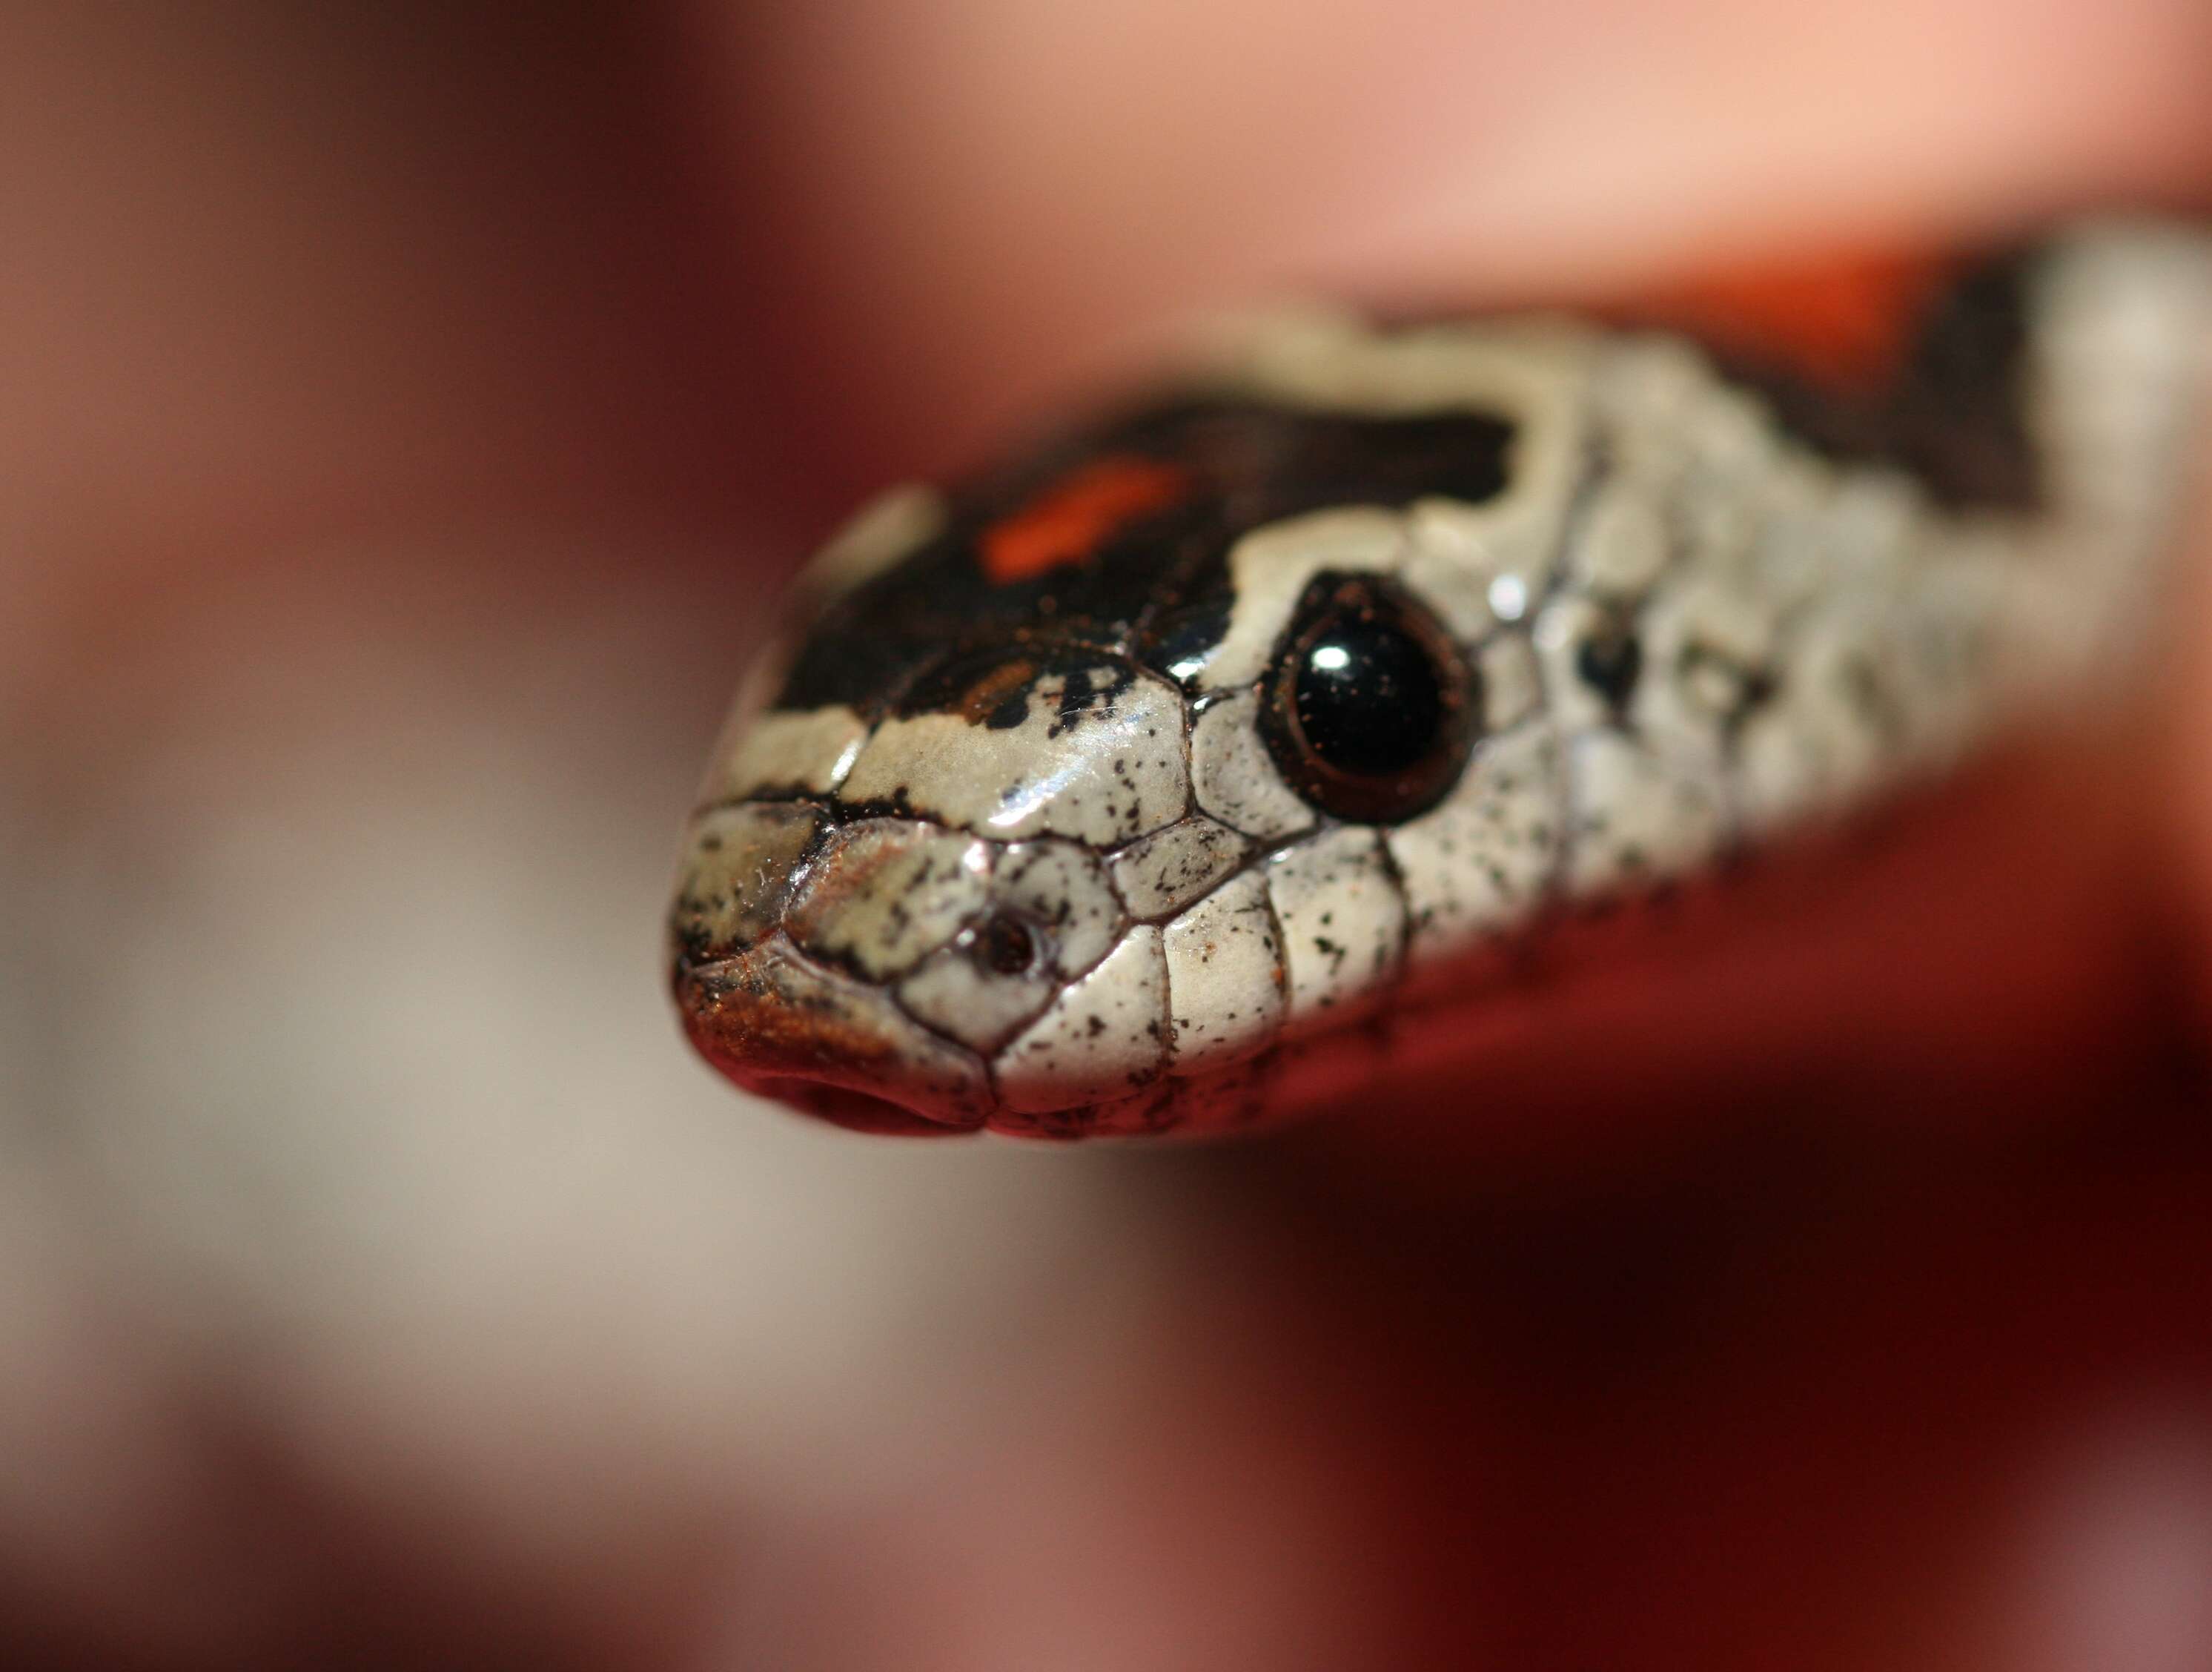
(1069, 805)
(1126, 787)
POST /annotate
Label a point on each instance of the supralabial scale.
(1097, 794)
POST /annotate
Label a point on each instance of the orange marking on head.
(1072, 518)
(1846, 323)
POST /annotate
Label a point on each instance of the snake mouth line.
(856, 1111)
(785, 1027)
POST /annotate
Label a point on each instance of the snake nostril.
(1006, 945)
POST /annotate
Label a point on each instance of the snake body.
(1090, 796)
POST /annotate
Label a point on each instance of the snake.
(1114, 788)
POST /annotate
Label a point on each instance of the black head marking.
(1154, 584)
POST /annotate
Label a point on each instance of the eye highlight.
(1370, 709)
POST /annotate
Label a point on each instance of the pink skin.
(1064, 176)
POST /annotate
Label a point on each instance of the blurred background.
(405, 413)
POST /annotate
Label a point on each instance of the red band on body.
(1847, 324)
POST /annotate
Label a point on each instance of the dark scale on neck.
(1610, 662)
(1954, 415)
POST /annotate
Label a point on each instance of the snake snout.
(786, 937)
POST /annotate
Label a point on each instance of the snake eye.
(1370, 708)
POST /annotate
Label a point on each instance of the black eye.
(1370, 709)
